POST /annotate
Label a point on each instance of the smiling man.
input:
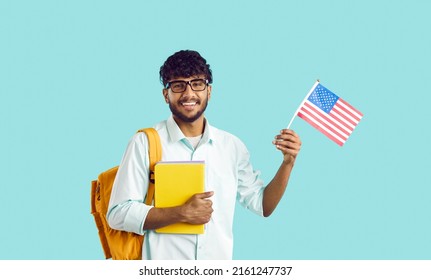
(187, 135)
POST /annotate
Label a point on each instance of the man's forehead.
(200, 76)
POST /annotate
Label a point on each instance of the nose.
(188, 89)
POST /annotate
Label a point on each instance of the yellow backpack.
(121, 245)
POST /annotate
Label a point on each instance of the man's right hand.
(198, 209)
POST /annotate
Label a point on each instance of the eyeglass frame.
(168, 84)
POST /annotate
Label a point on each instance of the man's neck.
(191, 129)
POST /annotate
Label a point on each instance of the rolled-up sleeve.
(127, 210)
(250, 186)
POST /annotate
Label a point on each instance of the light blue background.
(78, 78)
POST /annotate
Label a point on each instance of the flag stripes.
(316, 125)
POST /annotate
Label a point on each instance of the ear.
(209, 91)
(165, 93)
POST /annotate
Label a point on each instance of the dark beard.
(184, 118)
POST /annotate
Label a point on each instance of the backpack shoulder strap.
(155, 155)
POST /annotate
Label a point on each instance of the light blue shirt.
(229, 174)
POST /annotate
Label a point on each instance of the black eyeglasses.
(181, 86)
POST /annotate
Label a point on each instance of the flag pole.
(302, 103)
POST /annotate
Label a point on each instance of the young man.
(187, 135)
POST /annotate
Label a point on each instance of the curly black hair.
(185, 63)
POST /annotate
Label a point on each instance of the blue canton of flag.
(323, 98)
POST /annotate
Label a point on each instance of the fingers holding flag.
(289, 143)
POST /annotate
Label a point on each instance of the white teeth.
(189, 103)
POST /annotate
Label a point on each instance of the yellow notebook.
(176, 182)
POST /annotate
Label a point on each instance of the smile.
(188, 103)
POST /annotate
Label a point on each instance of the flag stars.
(323, 98)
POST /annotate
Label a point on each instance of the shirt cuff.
(135, 218)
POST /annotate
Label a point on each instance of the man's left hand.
(289, 143)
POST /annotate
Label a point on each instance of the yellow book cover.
(176, 182)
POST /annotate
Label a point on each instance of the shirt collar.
(176, 134)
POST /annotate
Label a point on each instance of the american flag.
(330, 114)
